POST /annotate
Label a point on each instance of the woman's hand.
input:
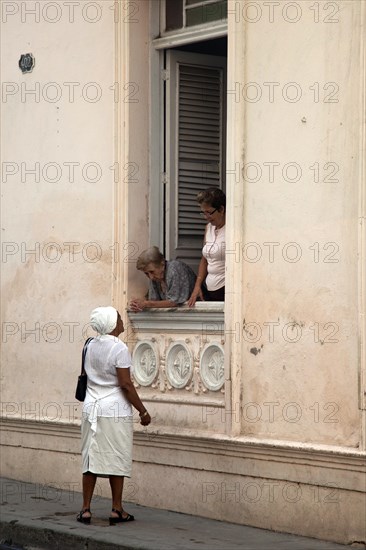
(137, 305)
(145, 418)
(126, 384)
(197, 293)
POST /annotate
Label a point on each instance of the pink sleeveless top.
(214, 252)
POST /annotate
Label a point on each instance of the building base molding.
(315, 491)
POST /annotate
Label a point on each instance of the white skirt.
(108, 452)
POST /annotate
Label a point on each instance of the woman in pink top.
(211, 270)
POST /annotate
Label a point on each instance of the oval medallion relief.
(212, 367)
(179, 365)
(145, 362)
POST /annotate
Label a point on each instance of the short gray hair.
(151, 255)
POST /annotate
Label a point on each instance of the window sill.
(179, 318)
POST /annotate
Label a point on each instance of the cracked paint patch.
(255, 351)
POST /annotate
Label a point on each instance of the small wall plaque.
(26, 62)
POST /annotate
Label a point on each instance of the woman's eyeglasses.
(207, 213)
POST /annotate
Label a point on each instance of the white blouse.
(214, 252)
(104, 396)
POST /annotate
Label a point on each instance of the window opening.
(181, 14)
(195, 140)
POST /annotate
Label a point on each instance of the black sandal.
(80, 517)
(120, 519)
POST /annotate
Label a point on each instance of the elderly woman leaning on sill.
(171, 282)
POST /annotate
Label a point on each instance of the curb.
(14, 536)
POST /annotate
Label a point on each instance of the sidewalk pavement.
(37, 517)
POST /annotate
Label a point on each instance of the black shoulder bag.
(80, 392)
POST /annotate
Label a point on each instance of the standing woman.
(212, 265)
(107, 428)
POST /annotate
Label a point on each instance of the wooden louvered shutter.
(195, 146)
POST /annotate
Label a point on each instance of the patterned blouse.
(178, 284)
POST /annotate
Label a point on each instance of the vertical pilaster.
(362, 231)
(234, 298)
(121, 156)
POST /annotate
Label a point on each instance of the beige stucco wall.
(84, 134)
(54, 289)
(298, 251)
(267, 388)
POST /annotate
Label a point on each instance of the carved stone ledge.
(205, 316)
(180, 348)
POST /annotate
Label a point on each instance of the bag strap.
(85, 348)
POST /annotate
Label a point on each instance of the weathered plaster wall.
(65, 212)
(272, 386)
(299, 335)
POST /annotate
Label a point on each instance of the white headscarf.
(104, 319)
